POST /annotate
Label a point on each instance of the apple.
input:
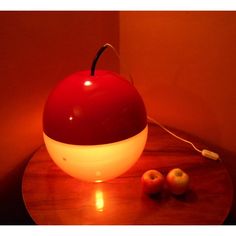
(177, 181)
(152, 181)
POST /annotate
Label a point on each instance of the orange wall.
(37, 50)
(184, 65)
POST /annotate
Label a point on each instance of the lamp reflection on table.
(99, 200)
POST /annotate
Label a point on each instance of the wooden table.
(52, 197)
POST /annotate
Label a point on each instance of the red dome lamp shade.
(95, 124)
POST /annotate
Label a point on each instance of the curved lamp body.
(95, 127)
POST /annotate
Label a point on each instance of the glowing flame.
(99, 200)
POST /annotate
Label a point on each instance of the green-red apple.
(177, 181)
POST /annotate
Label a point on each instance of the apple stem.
(99, 52)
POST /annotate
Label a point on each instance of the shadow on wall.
(13, 211)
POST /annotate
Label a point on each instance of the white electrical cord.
(121, 65)
(206, 153)
(176, 136)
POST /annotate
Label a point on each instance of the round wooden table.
(53, 197)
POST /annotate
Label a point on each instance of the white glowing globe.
(97, 163)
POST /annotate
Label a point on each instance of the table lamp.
(95, 124)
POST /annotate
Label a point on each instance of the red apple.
(152, 181)
(177, 181)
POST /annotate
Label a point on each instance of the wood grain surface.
(54, 198)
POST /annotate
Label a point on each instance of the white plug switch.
(211, 155)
